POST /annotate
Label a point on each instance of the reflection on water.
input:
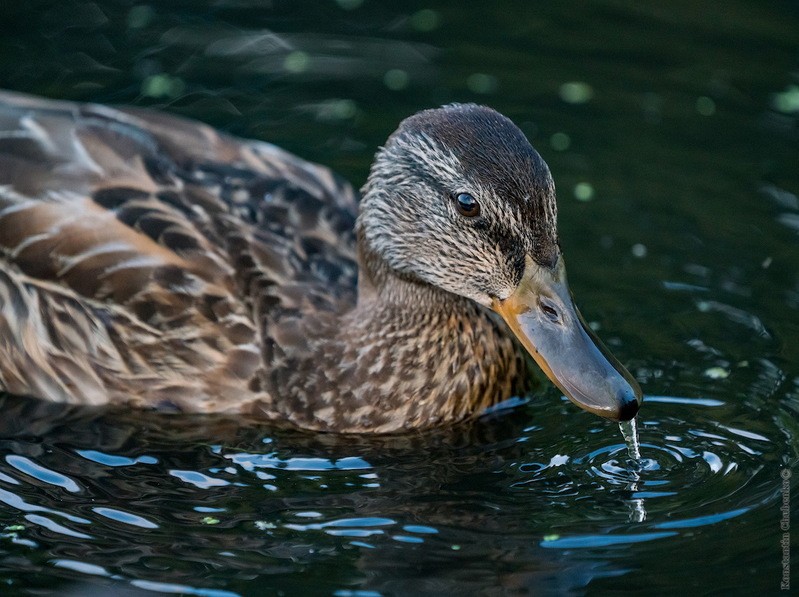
(672, 136)
(173, 503)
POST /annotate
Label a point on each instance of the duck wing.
(145, 258)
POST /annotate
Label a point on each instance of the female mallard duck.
(149, 260)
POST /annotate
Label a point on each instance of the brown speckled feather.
(152, 261)
(145, 258)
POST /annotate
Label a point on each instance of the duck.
(150, 261)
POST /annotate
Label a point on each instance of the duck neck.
(407, 356)
(419, 355)
(381, 286)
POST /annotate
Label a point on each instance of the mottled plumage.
(152, 261)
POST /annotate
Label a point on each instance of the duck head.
(459, 199)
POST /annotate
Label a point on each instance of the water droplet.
(560, 141)
(705, 106)
(425, 20)
(639, 250)
(481, 83)
(576, 92)
(297, 62)
(336, 109)
(396, 79)
(652, 106)
(787, 101)
(140, 16)
(583, 191)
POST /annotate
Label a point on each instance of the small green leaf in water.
(14, 527)
(210, 520)
(717, 373)
(553, 537)
(162, 85)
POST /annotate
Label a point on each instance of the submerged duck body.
(152, 261)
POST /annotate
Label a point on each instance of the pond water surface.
(672, 135)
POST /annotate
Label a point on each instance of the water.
(672, 135)
(629, 431)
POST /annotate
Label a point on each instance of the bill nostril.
(549, 311)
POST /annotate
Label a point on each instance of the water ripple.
(198, 479)
(55, 527)
(42, 473)
(113, 460)
(682, 462)
(272, 461)
(125, 517)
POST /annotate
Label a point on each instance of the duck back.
(149, 259)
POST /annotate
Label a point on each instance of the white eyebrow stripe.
(430, 152)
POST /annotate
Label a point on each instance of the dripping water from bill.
(629, 431)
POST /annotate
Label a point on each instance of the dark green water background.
(671, 130)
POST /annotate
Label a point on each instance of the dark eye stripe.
(467, 205)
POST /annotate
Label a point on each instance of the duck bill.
(542, 315)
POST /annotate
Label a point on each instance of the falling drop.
(629, 431)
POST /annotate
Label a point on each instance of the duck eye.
(467, 205)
